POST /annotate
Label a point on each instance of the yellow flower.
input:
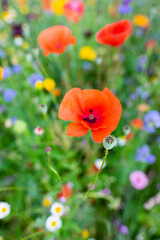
(25, 45)
(141, 21)
(39, 85)
(49, 84)
(47, 201)
(87, 53)
(85, 233)
(24, 9)
(1, 73)
(57, 6)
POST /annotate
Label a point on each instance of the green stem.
(95, 179)
(33, 235)
(13, 189)
(54, 171)
(91, 184)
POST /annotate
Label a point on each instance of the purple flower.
(17, 29)
(105, 191)
(13, 119)
(143, 154)
(138, 179)
(140, 93)
(17, 69)
(123, 229)
(7, 72)
(125, 9)
(32, 79)
(151, 121)
(126, 2)
(9, 94)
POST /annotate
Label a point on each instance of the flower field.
(79, 120)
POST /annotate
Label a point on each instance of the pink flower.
(138, 179)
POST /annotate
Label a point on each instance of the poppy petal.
(70, 108)
(76, 130)
(100, 134)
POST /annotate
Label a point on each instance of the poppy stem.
(95, 179)
(91, 185)
(54, 171)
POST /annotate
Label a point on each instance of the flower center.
(58, 209)
(4, 210)
(53, 224)
(90, 118)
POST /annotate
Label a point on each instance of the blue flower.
(7, 72)
(125, 9)
(17, 68)
(151, 121)
(32, 79)
(9, 94)
(2, 53)
(143, 154)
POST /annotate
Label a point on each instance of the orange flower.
(137, 123)
(74, 10)
(66, 192)
(46, 5)
(151, 43)
(129, 136)
(114, 34)
(92, 109)
(55, 39)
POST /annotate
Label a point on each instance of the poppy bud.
(109, 142)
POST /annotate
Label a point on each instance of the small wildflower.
(38, 131)
(56, 92)
(109, 142)
(85, 233)
(49, 84)
(58, 6)
(139, 180)
(53, 223)
(141, 21)
(1, 73)
(47, 201)
(4, 209)
(9, 95)
(57, 209)
(43, 108)
(87, 53)
(39, 85)
(126, 129)
(97, 164)
(143, 154)
(137, 123)
(48, 149)
(151, 121)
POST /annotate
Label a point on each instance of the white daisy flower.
(98, 163)
(38, 131)
(53, 223)
(57, 209)
(4, 209)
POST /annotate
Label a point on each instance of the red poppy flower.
(92, 109)
(55, 39)
(137, 123)
(74, 10)
(114, 34)
(66, 192)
